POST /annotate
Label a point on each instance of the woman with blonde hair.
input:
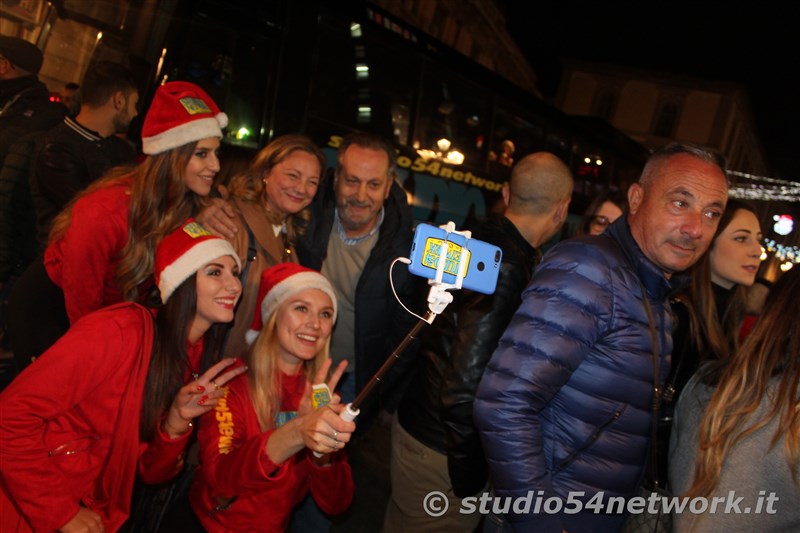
(102, 245)
(256, 460)
(737, 427)
(268, 207)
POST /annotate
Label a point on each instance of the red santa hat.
(181, 113)
(281, 282)
(183, 252)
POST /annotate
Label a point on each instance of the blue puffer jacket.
(566, 401)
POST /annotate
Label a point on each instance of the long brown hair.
(170, 360)
(715, 332)
(264, 376)
(765, 370)
(160, 202)
(249, 186)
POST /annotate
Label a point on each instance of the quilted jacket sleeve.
(563, 312)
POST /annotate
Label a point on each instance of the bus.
(329, 68)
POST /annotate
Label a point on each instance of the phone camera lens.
(481, 266)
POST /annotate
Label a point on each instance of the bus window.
(361, 79)
(453, 118)
(232, 62)
(513, 138)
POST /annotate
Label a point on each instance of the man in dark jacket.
(80, 150)
(565, 406)
(360, 224)
(25, 112)
(435, 445)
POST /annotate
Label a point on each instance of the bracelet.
(167, 427)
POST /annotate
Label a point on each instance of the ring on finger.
(335, 433)
(215, 385)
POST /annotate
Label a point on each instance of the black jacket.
(380, 322)
(437, 409)
(25, 113)
(66, 160)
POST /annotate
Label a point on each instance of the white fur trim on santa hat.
(250, 336)
(190, 262)
(288, 287)
(191, 131)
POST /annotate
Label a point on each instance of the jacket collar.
(653, 278)
(82, 130)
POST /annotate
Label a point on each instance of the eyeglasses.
(600, 220)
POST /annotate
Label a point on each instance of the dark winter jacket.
(25, 112)
(66, 159)
(454, 350)
(565, 403)
(380, 322)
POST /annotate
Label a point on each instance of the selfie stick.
(438, 298)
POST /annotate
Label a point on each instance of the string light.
(764, 188)
(785, 253)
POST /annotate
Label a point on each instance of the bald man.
(434, 443)
(565, 406)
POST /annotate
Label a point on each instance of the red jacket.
(237, 488)
(69, 426)
(82, 262)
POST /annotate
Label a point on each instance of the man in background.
(360, 223)
(25, 111)
(435, 445)
(69, 98)
(80, 150)
(565, 407)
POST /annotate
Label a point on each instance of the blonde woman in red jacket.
(102, 245)
(256, 460)
(121, 387)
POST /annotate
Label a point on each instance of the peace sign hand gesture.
(199, 396)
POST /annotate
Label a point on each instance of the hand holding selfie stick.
(438, 299)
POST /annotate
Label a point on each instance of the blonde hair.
(264, 376)
(765, 370)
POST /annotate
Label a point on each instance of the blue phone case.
(483, 259)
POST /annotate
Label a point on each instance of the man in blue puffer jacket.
(565, 405)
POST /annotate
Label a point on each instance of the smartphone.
(482, 259)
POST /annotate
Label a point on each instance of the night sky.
(756, 48)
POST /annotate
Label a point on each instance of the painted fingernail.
(200, 388)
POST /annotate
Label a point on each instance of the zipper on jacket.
(566, 462)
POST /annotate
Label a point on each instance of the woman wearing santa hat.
(256, 461)
(121, 386)
(101, 246)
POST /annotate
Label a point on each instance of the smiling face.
(674, 216)
(218, 290)
(303, 325)
(735, 253)
(202, 166)
(292, 183)
(362, 184)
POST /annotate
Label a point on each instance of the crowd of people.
(185, 347)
